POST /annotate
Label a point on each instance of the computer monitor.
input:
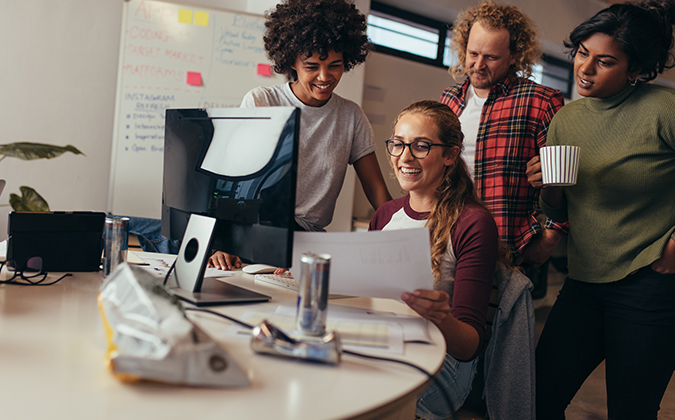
(238, 165)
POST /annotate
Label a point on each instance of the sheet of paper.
(159, 266)
(133, 258)
(214, 272)
(415, 329)
(367, 337)
(382, 264)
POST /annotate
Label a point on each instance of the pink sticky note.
(264, 70)
(194, 78)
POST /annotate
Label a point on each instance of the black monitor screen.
(238, 165)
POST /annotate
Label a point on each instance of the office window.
(555, 73)
(407, 35)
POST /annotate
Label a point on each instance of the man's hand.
(224, 261)
(540, 249)
(533, 172)
(666, 264)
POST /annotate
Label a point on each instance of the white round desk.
(52, 348)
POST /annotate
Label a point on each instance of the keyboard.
(282, 280)
(287, 282)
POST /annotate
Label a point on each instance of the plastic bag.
(150, 338)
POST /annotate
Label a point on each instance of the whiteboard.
(174, 56)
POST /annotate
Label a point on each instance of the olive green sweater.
(622, 209)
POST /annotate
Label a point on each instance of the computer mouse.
(258, 269)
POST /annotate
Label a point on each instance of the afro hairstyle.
(298, 27)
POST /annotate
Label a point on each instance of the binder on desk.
(66, 241)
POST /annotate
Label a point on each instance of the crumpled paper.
(150, 338)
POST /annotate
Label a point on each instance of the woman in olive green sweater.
(618, 303)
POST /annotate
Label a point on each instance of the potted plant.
(30, 200)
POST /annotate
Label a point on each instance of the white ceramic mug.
(559, 165)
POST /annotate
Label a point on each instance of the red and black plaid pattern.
(513, 127)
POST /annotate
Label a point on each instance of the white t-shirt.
(470, 120)
(332, 136)
(402, 220)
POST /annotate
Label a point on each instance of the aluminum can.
(116, 234)
(313, 294)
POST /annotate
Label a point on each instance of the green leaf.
(30, 200)
(31, 151)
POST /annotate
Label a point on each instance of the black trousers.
(630, 324)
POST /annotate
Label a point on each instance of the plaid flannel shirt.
(513, 126)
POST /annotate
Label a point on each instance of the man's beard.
(483, 83)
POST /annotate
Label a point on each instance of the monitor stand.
(216, 292)
(187, 278)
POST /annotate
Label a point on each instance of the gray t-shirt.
(332, 136)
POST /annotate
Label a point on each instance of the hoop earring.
(633, 82)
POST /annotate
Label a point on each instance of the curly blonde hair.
(522, 30)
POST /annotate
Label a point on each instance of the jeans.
(455, 380)
(628, 323)
(149, 234)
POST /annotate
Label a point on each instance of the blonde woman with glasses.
(424, 154)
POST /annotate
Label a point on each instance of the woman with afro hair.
(313, 43)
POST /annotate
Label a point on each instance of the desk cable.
(435, 380)
(27, 276)
(168, 273)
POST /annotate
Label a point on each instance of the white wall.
(59, 67)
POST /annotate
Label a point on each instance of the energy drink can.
(116, 235)
(313, 294)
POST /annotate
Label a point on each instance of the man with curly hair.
(313, 43)
(505, 119)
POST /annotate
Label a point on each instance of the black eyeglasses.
(419, 149)
(30, 274)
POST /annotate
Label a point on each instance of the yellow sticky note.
(202, 18)
(185, 16)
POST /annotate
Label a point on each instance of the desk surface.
(52, 348)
